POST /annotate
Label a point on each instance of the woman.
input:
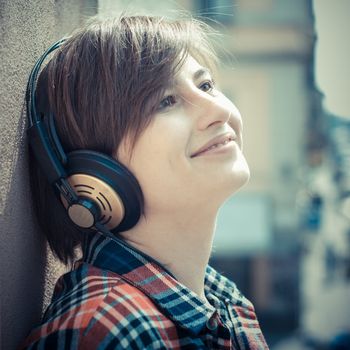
(140, 91)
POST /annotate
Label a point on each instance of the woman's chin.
(236, 179)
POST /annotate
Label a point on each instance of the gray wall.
(27, 271)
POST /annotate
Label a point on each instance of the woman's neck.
(183, 245)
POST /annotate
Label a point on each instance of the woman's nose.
(210, 111)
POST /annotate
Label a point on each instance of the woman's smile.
(221, 148)
(220, 144)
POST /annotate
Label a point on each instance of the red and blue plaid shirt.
(119, 298)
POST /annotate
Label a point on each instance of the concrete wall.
(27, 272)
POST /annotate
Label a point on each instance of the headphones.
(96, 191)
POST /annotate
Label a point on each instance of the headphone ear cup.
(109, 184)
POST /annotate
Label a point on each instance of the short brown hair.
(103, 83)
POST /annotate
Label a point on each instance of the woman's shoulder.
(92, 290)
(90, 304)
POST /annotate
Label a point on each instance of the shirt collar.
(219, 286)
(178, 302)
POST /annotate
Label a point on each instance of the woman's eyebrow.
(200, 73)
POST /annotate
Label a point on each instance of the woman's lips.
(215, 143)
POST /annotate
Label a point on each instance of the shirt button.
(212, 324)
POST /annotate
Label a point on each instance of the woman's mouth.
(218, 144)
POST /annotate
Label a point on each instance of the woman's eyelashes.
(167, 102)
(207, 85)
(170, 100)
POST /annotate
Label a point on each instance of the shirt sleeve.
(132, 333)
(59, 339)
(103, 332)
(123, 319)
(126, 319)
(143, 337)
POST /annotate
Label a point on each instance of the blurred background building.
(284, 238)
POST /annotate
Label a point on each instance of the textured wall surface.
(27, 272)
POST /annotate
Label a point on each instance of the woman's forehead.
(190, 69)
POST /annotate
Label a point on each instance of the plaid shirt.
(119, 298)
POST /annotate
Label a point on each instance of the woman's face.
(191, 152)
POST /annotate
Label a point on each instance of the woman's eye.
(167, 102)
(207, 86)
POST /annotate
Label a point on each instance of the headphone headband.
(30, 93)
